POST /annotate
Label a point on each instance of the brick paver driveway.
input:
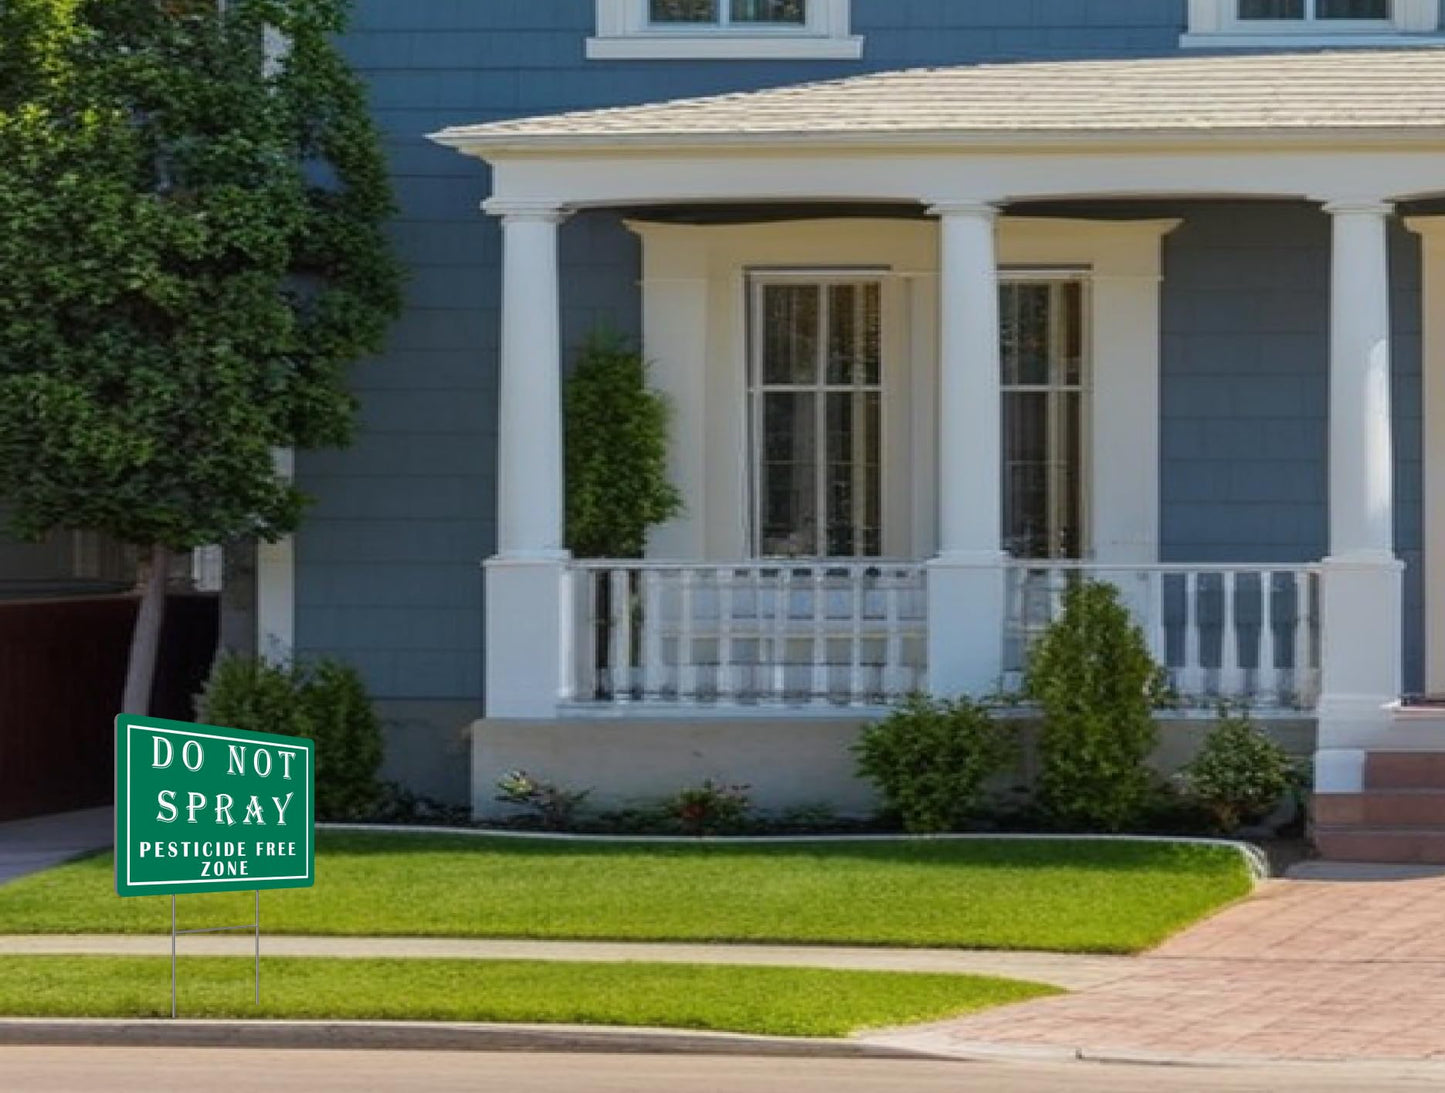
(1339, 962)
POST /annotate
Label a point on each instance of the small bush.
(551, 807)
(711, 809)
(1098, 687)
(1240, 775)
(324, 701)
(930, 759)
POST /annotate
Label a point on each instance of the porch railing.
(750, 633)
(1235, 633)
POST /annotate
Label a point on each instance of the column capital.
(971, 208)
(1358, 206)
(544, 211)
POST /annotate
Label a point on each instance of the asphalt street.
(173, 1070)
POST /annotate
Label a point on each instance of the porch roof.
(1319, 95)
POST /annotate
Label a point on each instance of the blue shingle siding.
(1246, 393)
(388, 562)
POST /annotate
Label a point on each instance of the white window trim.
(625, 33)
(1215, 23)
(758, 281)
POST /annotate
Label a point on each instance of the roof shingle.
(1313, 92)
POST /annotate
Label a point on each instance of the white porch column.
(1362, 590)
(529, 609)
(966, 580)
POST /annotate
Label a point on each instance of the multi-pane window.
(724, 13)
(816, 405)
(1045, 393)
(1313, 10)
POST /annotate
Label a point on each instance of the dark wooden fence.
(62, 672)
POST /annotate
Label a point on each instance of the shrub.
(1240, 775)
(324, 701)
(616, 431)
(549, 805)
(711, 809)
(930, 759)
(1098, 687)
(347, 732)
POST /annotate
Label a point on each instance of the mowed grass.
(768, 1001)
(1099, 897)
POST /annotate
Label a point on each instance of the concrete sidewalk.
(1061, 970)
(28, 846)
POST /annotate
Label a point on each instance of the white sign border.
(129, 883)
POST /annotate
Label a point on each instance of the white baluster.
(1304, 676)
(619, 659)
(821, 682)
(1230, 684)
(686, 658)
(895, 681)
(654, 675)
(1191, 671)
(1157, 625)
(857, 687)
(1266, 683)
(726, 677)
(782, 610)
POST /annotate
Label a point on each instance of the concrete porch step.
(1413, 808)
(1388, 770)
(1415, 845)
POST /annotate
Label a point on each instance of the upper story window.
(1310, 22)
(722, 29)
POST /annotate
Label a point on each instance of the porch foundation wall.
(787, 762)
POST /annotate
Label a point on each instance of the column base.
(529, 636)
(1361, 649)
(966, 604)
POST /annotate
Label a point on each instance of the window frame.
(1214, 23)
(1082, 279)
(758, 281)
(625, 31)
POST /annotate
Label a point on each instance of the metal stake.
(173, 958)
(254, 926)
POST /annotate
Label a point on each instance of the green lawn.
(770, 1001)
(1060, 896)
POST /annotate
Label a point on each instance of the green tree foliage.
(931, 758)
(324, 701)
(191, 251)
(617, 485)
(1098, 687)
(1240, 774)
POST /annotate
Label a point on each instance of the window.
(1045, 410)
(1368, 11)
(1294, 22)
(737, 14)
(816, 417)
(721, 29)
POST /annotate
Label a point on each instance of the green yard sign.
(205, 809)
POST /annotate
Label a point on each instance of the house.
(952, 301)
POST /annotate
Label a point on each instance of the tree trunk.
(146, 638)
(238, 600)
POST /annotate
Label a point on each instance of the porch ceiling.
(1320, 95)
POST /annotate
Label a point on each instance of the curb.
(428, 1036)
(988, 1052)
(1255, 859)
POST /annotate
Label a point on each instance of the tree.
(617, 484)
(191, 252)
